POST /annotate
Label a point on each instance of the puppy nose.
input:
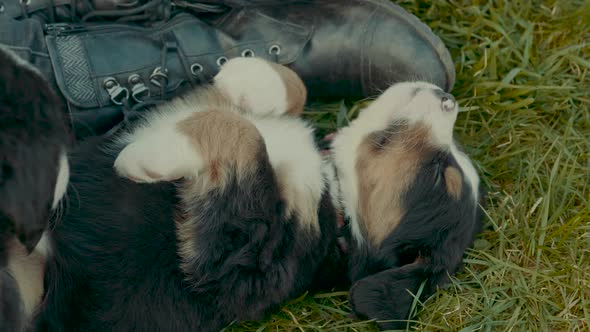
(447, 102)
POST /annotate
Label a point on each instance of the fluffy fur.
(208, 212)
(33, 179)
(218, 207)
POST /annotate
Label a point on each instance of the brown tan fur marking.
(227, 143)
(223, 139)
(454, 181)
(296, 91)
(184, 231)
(387, 165)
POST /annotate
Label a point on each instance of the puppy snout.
(448, 102)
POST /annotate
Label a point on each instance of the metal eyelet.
(25, 2)
(248, 53)
(134, 79)
(274, 49)
(1, 7)
(159, 77)
(138, 90)
(116, 92)
(221, 60)
(196, 69)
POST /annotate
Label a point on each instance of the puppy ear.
(387, 296)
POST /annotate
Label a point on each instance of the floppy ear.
(387, 296)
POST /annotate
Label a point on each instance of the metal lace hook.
(116, 92)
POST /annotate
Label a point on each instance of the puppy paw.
(262, 87)
(166, 156)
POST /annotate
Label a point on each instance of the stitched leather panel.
(76, 69)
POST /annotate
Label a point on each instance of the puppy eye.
(380, 139)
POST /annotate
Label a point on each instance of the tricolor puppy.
(218, 207)
(411, 197)
(33, 179)
(212, 210)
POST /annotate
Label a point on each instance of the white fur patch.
(43, 247)
(414, 102)
(63, 178)
(291, 148)
(468, 170)
(253, 83)
(157, 151)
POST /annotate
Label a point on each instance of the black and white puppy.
(411, 196)
(212, 210)
(33, 178)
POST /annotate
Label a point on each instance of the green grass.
(523, 79)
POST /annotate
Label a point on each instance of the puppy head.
(380, 154)
(33, 140)
(34, 174)
(262, 87)
(410, 194)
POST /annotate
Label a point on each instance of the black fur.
(427, 246)
(117, 266)
(32, 135)
(10, 304)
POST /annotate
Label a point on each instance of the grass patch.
(523, 80)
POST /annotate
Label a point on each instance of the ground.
(523, 80)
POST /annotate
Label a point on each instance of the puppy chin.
(386, 296)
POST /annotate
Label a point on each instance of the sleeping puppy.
(411, 197)
(227, 209)
(33, 179)
(213, 209)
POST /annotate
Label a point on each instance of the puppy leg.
(186, 146)
(261, 87)
(236, 237)
(158, 152)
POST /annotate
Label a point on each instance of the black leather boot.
(109, 63)
(353, 48)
